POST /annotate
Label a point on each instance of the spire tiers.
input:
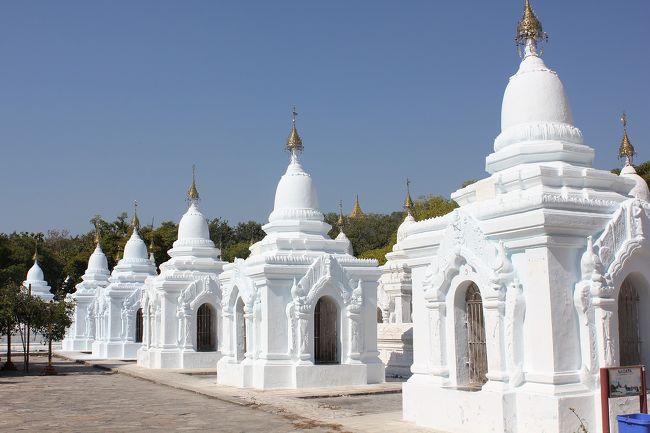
(294, 142)
(193, 192)
(135, 222)
(356, 209)
(529, 32)
(408, 202)
(626, 150)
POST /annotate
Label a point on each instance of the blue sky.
(104, 102)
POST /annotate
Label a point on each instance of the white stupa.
(300, 311)
(81, 334)
(517, 293)
(182, 305)
(119, 331)
(36, 281)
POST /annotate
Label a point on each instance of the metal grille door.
(139, 325)
(628, 324)
(204, 329)
(476, 348)
(326, 332)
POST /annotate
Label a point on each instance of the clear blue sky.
(104, 102)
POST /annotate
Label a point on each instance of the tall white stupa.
(182, 306)
(120, 330)
(81, 334)
(300, 310)
(522, 293)
(36, 281)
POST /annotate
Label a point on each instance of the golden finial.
(97, 235)
(193, 193)
(151, 241)
(118, 256)
(341, 221)
(35, 256)
(529, 29)
(294, 142)
(626, 150)
(135, 222)
(356, 209)
(408, 203)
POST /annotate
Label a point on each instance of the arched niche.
(206, 332)
(327, 331)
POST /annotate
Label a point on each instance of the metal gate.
(326, 332)
(476, 348)
(204, 329)
(628, 324)
(139, 322)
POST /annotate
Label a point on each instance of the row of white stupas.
(300, 311)
(519, 296)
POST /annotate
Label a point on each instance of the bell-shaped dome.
(295, 196)
(640, 189)
(35, 273)
(98, 261)
(193, 225)
(135, 247)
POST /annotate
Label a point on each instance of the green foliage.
(53, 319)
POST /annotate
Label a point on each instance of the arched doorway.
(628, 324)
(326, 330)
(240, 331)
(205, 335)
(139, 326)
(476, 347)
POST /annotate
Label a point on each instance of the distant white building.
(81, 334)
(35, 281)
(182, 306)
(119, 321)
(536, 281)
(300, 311)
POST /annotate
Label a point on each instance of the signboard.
(625, 382)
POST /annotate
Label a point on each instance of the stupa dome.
(193, 225)
(640, 190)
(295, 196)
(98, 261)
(35, 273)
(135, 247)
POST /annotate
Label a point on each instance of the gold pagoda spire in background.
(151, 245)
(193, 192)
(356, 209)
(294, 142)
(135, 222)
(35, 256)
(626, 150)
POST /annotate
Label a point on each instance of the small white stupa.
(300, 311)
(120, 331)
(626, 151)
(81, 333)
(182, 305)
(36, 281)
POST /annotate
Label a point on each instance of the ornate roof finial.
(356, 209)
(341, 221)
(35, 256)
(193, 193)
(151, 241)
(135, 222)
(294, 142)
(97, 234)
(408, 203)
(529, 32)
(118, 256)
(626, 150)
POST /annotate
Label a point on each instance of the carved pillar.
(251, 338)
(146, 341)
(188, 335)
(226, 333)
(495, 309)
(438, 352)
(305, 338)
(606, 324)
(355, 339)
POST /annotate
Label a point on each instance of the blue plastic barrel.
(634, 423)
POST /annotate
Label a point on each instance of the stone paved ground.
(85, 399)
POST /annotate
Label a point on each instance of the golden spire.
(193, 193)
(151, 241)
(408, 203)
(356, 209)
(35, 256)
(118, 256)
(529, 27)
(341, 221)
(294, 142)
(135, 222)
(626, 150)
(97, 236)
